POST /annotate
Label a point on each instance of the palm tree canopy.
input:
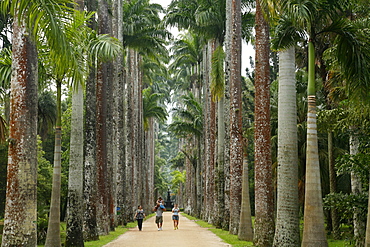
(188, 121)
(151, 109)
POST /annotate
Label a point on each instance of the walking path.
(189, 234)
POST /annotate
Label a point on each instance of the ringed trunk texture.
(314, 232)
(287, 216)
(264, 205)
(20, 228)
(313, 228)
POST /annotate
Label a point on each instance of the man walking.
(159, 208)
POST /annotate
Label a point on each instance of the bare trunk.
(287, 217)
(75, 182)
(53, 234)
(264, 205)
(90, 179)
(313, 228)
(91, 231)
(21, 202)
(356, 189)
(245, 224)
(335, 219)
(233, 32)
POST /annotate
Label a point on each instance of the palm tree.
(140, 42)
(304, 18)
(287, 218)
(188, 124)
(264, 221)
(233, 41)
(20, 214)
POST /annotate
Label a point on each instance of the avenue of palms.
(103, 109)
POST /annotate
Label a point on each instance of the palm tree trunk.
(20, 218)
(118, 120)
(220, 163)
(356, 189)
(313, 228)
(53, 234)
(101, 152)
(367, 234)
(233, 31)
(335, 220)
(287, 217)
(75, 182)
(264, 206)
(90, 170)
(245, 224)
(104, 195)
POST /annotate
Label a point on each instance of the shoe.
(159, 229)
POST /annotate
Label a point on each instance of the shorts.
(158, 219)
(175, 217)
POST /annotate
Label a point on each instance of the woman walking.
(175, 217)
(139, 216)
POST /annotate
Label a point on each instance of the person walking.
(175, 217)
(159, 208)
(139, 216)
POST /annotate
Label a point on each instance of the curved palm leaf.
(151, 109)
(5, 67)
(217, 74)
(189, 120)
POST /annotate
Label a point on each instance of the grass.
(224, 235)
(112, 235)
(103, 240)
(235, 242)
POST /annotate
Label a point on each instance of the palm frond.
(5, 67)
(217, 74)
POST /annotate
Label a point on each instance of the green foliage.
(5, 67)
(345, 203)
(217, 74)
(177, 180)
(224, 235)
(178, 161)
(151, 107)
(188, 121)
(357, 164)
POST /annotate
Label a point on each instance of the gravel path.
(189, 234)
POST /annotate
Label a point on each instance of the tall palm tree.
(140, 42)
(287, 218)
(304, 18)
(188, 124)
(20, 215)
(264, 221)
(233, 40)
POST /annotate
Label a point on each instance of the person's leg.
(140, 224)
(161, 222)
(157, 222)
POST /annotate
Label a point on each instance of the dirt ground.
(189, 234)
